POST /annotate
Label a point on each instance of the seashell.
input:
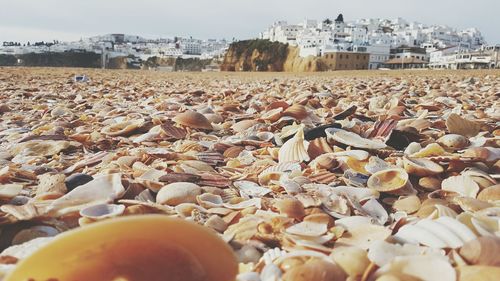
(296, 111)
(272, 115)
(295, 149)
(363, 235)
(290, 207)
(463, 185)
(233, 151)
(217, 223)
(250, 189)
(34, 232)
(10, 190)
(39, 148)
(102, 211)
(413, 268)
(151, 179)
(102, 189)
(243, 125)
(478, 273)
(317, 147)
(324, 161)
(208, 200)
(136, 240)
(373, 208)
(421, 167)
(179, 192)
(432, 149)
(193, 119)
(409, 204)
(243, 230)
(214, 118)
(352, 139)
(151, 135)
(430, 183)
(390, 180)
(483, 179)
(376, 164)
(482, 251)
(172, 131)
(122, 128)
(315, 270)
(307, 229)
(491, 193)
(487, 154)
(383, 253)
(445, 232)
(50, 186)
(352, 260)
(453, 141)
(458, 125)
(195, 166)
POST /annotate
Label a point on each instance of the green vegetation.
(66, 59)
(191, 64)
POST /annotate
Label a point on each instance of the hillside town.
(391, 44)
(138, 49)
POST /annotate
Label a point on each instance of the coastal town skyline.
(23, 21)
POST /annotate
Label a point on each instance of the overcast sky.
(66, 20)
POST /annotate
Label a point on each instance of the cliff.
(264, 55)
(64, 59)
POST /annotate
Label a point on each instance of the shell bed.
(352, 176)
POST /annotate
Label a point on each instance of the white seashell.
(102, 189)
(295, 149)
(463, 185)
(425, 268)
(352, 139)
(373, 208)
(185, 209)
(307, 228)
(271, 272)
(248, 276)
(412, 148)
(149, 136)
(444, 232)
(102, 211)
(353, 222)
(208, 200)
(376, 164)
(249, 189)
(356, 154)
(178, 192)
(382, 253)
(356, 193)
(254, 202)
(10, 190)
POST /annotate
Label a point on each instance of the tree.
(340, 18)
(327, 21)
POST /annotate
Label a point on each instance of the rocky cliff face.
(264, 55)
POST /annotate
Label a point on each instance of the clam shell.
(243, 125)
(383, 253)
(122, 128)
(102, 211)
(453, 141)
(193, 119)
(315, 270)
(179, 192)
(364, 235)
(421, 167)
(478, 273)
(415, 268)
(208, 200)
(482, 251)
(488, 154)
(307, 229)
(491, 193)
(389, 180)
(352, 139)
(409, 204)
(352, 260)
(290, 207)
(461, 126)
(432, 149)
(295, 149)
(136, 240)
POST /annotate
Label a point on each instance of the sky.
(70, 20)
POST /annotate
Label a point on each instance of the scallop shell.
(352, 139)
(318, 146)
(453, 141)
(491, 193)
(463, 185)
(272, 115)
(179, 192)
(290, 207)
(461, 126)
(136, 240)
(390, 180)
(102, 211)
(413, 268)
(295, 149)
(488, 154)
(296, 111)
(482, 251)
(421, 167)
(444, 232)
(478, 273)
(193, 119)
(122, 128)
(382, 253)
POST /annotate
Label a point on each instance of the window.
(357, 57)
(341, 56)
(346, 56)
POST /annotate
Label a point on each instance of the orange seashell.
(296, 111)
